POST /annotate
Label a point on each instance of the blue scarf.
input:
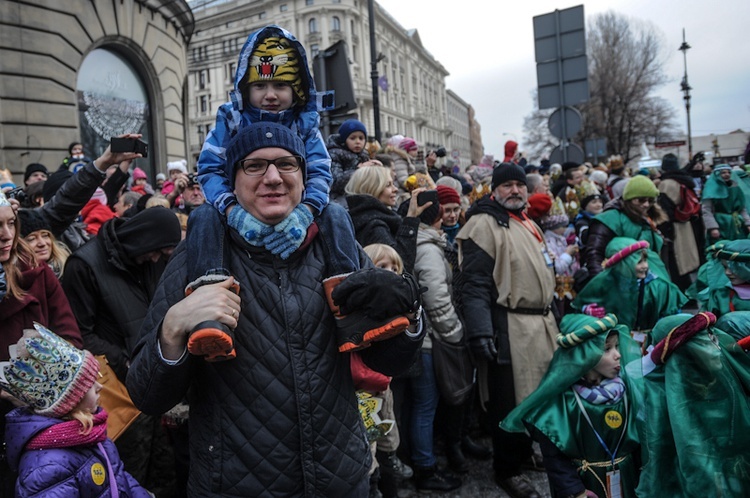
(451, 232)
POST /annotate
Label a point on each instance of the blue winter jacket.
(215, 175)
(80, 471)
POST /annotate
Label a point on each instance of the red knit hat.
(447, 195)
(539, 205)
(408, 144)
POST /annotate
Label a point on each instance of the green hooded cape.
(728, 202)
(617, 289)
(553, 410)
(696, 427)
(713, 290)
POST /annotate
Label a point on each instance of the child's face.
(173, 174)
(355, 142)
(595, 206)
(641, 268)
(560, 230)
(140, 181)
(272, 96)
(609, 365)
(90, 401)
(733, 279)
(387, 264)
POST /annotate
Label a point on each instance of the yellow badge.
(98, 474)
(613, 419)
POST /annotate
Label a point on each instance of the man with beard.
(110, 282)
(507, 298)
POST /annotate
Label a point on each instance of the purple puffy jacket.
(63, 472)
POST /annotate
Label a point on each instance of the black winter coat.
(343, 164)
(109, 296)
(281, 419)
(376, 223)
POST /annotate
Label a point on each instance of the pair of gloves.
(378, 293)
(281, 239)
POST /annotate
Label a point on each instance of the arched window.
(112, 100)
(336, 23)
(312, 25)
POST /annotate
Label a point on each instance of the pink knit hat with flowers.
(138, 173)
(49, 374)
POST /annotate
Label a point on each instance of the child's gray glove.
(378, 293)
(289, 234)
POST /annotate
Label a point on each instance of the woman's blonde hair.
(58, 253)
(369, 180)
(157, 200)
(378, 252)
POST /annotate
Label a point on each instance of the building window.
(204, 104)
(262, 15)
(201, 136)
(314, 49)
(336, 23)
(312, 26)
(283, 7)
(232, 71)
(309, 2)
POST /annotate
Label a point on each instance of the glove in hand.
(594, 310)
(378, 293)
(482, 349)
(252, 229)
(289, 234)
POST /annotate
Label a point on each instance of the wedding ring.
(234, 313)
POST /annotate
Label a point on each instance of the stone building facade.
(87, 70)
(412, 93)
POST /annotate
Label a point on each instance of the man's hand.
(482, 349)
(431, 159)
(208, 302)
(714, 233)
(109, 158)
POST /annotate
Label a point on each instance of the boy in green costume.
(634, 285)
(581, 413)
(723, 283)
(724, 212)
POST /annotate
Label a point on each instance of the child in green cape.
(634, 285)
(581, 414)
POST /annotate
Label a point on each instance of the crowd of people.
(310, 317)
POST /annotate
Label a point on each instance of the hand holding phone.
(427, 196)
(125, 144)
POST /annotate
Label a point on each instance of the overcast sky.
(490, 56)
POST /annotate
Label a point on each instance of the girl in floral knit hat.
(58, 443)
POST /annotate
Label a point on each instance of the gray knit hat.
(260, 136)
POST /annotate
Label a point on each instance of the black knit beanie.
(262, 135)
(33, 168)
(670, 163)
(30, 221)
(505, 172)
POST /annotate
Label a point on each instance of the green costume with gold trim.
(713, 290)
(554, 411)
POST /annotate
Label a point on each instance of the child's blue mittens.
(252, 230)
(289, 234)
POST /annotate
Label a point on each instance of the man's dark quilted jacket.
(281, 419)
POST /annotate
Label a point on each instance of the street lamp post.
(686, 92)
(374, 59)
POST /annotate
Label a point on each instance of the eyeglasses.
(258, 167)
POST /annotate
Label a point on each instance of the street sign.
(567, 152)
(596, 149)
(673, 143)
(569, 116)
(560, 54)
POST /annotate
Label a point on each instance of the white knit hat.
(180, 165)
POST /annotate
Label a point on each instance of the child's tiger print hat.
(276, 59)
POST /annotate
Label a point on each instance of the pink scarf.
(67, 434)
